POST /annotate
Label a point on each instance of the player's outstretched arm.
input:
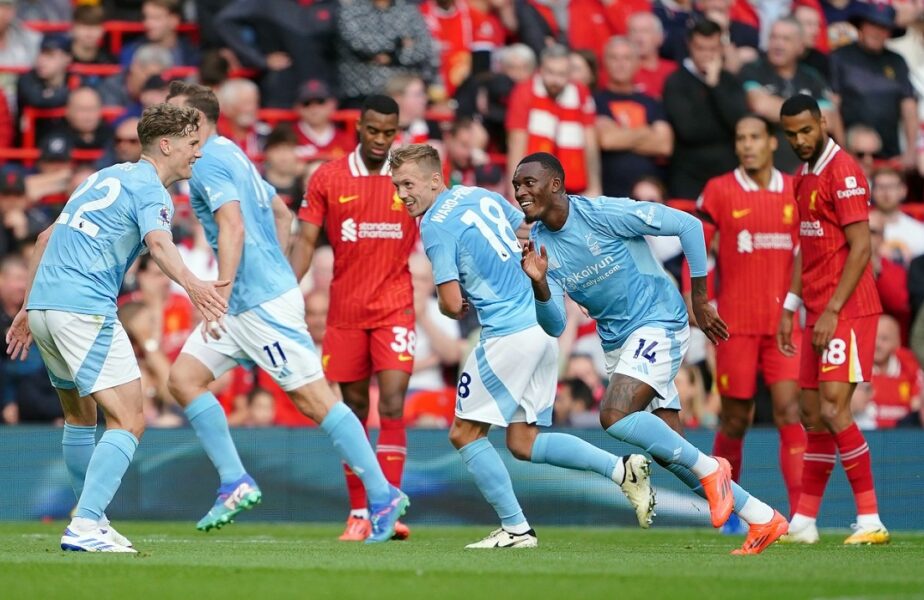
(303, 248)
(203, 294)
(858, 241)
(790, 306)
(283, 217)
(550, 309)
(19, 337)
(690, 231)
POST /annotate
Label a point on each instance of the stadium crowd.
(637, 98)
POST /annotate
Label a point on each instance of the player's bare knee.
(391, 406)
(462, 433)
(786, 414)
(733, 426)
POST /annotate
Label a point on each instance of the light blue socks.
(653, 435)
(77, 446)
(350, 441)
(110, 460)
(493, 480)
(570, 452)
(208, 419)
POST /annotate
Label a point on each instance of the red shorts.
(354, 354)
(740, 356)
(849, 356)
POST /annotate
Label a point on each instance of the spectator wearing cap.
(864, 144)
(872, 85)
(87, 36)
(282, 167)
(777, 76)
(703, 102)
(239, 121)
(548, 113)
(289, 42)
(19, 47)
(53, 170)
(46, 85)
(125, 89)
(632, 128)
(378, 39)
(161, 20)
(127, 144)
(26, 394)
(317, 136)
(84, 126)
(410, 92)
(646, 33)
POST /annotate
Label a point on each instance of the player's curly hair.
(424, 156)
(165, 120)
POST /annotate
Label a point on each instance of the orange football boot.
(761, 536)
(357, 530)
(402, 531)
(717, 487)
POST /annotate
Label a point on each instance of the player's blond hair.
(424, 156)
(166, 120)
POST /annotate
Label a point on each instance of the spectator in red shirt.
(891, 277)
(547, 113)
(317, 135)
(240, 105)
(453, 26)
(647, 34)
(895, 390)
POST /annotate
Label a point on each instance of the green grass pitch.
(273, 562)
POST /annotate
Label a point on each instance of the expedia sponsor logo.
(811, 229)
(851, 192)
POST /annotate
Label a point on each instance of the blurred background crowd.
(637, 97)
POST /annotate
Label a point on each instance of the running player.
(754, 212)
(370, 326)
(594, 249)
(509, 378)
(842, 312)
(247, 225)
(75, 272)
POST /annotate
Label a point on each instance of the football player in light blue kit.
(509, 380)
(594, 249)
(247, 225)
(76, 271)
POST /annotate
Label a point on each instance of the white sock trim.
(518, 529)
(755, 512)
(360, 513)
(704, 465)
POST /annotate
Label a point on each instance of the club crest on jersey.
(396, 203)
(788, 213)
(812, 200)
(592, 244)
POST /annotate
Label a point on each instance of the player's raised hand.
(824, 331)
(207, 299)
(710, 322)
(784, 335)
(535, 264)
(19, 336)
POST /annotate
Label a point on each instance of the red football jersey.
(894, 388)
(372, 236)
(334, 143)
(757, 236)
(831, 195)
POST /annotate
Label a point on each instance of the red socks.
(858, 467)
(792, 448)
(729, 449)
(391, 449)
(355, 488)
(818, 463)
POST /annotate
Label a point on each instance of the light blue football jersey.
(97, 236)
(469, 236)
(601, 259)
(225, 174)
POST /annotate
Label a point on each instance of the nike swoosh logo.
(632, 476)
(405, 358)
(345, 199)
(737, 214)
(827, 368)
(391, 458)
